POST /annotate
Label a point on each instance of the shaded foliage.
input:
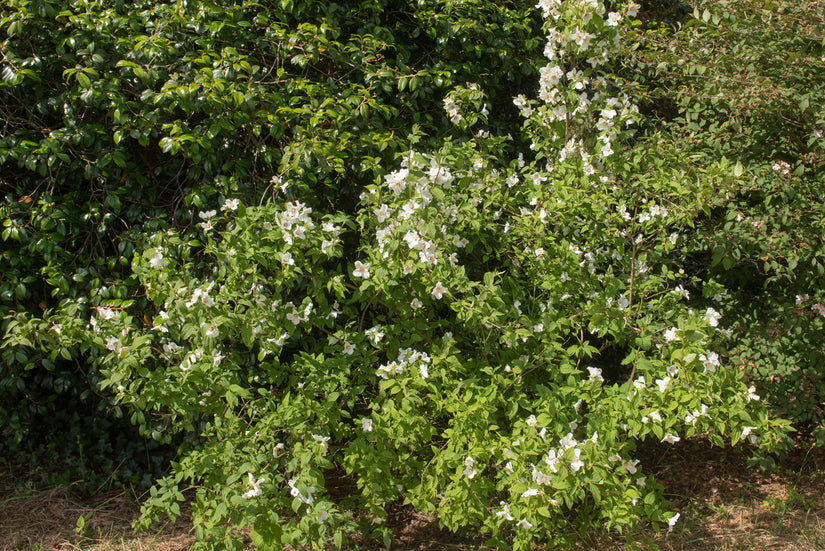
(120, 119)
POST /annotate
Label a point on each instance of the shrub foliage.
(303, 240)
(721, 90)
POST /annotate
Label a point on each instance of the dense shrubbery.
(123, 119)
(360, 250)
(729, 93)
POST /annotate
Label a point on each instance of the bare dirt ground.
(725, 506)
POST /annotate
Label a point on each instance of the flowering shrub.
(123, 120)
(489, 337)
(725, 93)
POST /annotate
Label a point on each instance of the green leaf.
(738, 170)
(83, 79)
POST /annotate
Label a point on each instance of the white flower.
(595, 374)
(541, 478)
(505, 511)
(382, 212)
(413, 239)
(366, 424)
(256, 490)
(440, 175)
(113, 344)
(710, 362)
(158, 261)
(107, 313)
(782, 166)
(530, 493)
(552, 460)
(375, 334)
(577, 463)
(322, 440)
(662, 383)
(230, 204)
(280, 340)
(672, 522)
(671, 335)
(438, 291)
(752, 395)
(294, 317)
(670, 439)
(212, 332)
(746, 431)
(396, 180)
(287, 259)
(531, 421)
(568, 441)
(469, 471)
(321, 515)
(415, 304)
(712, 317)
(349, 348)
(361, 270)
(630, 465)
(294, 491)
(524, 523)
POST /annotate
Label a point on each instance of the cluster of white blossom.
(420, 212)
(653, 212)
(307, 497)
(294, 221)
(406, 357)
(452, 110)
(575, 96)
